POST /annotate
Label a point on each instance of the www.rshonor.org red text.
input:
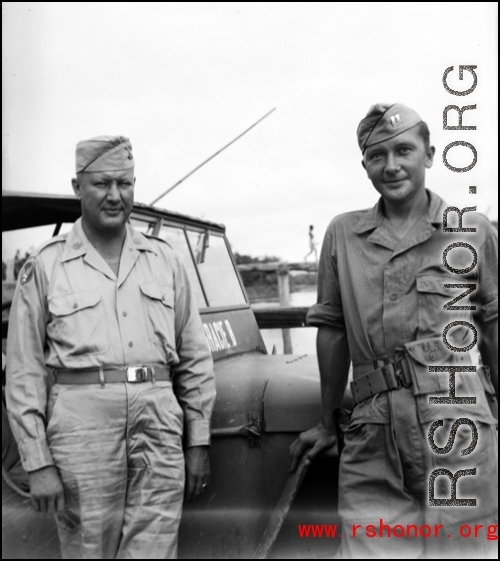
(383, 530)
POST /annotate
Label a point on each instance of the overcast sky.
(183, 79)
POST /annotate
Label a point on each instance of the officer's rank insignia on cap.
(395, 120)
(28, 273)
(384, 121)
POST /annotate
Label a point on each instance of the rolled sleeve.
(27, 376)
(328, 309)
(322, 314)
(194, 382)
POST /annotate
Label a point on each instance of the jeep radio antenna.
(211, 157)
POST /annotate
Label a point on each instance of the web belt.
(392, 374)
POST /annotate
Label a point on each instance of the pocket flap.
(429, 351)
(66, 305)
(435, 285)
(163, 293)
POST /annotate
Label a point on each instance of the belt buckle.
(399, 373)
(137, 374)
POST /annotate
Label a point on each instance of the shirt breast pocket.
(74, 324)
(158, 301)
(432, 296)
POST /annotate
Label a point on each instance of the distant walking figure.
(312, 245)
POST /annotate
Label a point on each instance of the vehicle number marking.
(220, 335)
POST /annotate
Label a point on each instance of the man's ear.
(76, 187)
(430, 156)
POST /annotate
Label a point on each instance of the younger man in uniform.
(381, 292)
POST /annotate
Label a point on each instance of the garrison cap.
(104, 153)
(384, 121)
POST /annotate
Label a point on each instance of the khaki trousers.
(384, 476)
(118, 449)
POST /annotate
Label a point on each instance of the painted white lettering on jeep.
(230, 331)
(215, 337)
(208, 335)
(222, 333)
(219, 335)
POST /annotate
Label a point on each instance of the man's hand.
(197, 470)
(46, 490)
(317, 439)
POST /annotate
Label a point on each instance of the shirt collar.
(374, 217)
(436, 208)
(77, 243)
(137, 240)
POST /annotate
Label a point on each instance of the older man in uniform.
(381, 292)
(109, 314)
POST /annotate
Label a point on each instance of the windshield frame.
(219, 234)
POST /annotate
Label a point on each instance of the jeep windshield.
(29, 219)
(207, 260)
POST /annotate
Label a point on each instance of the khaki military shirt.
(70, 311)
(385, 293)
